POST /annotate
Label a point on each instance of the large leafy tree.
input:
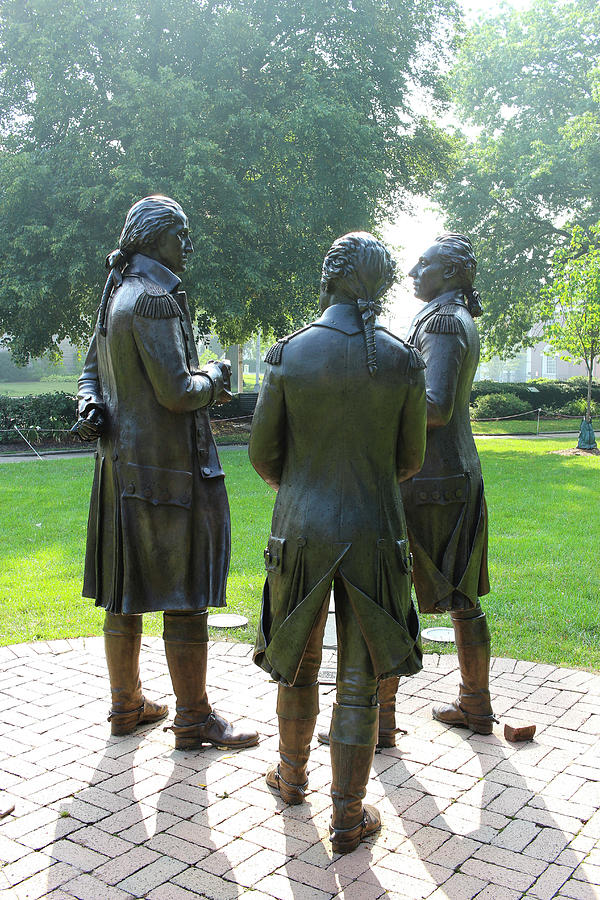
(527, 85)
(277, 125)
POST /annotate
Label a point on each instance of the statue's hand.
(219, 372)
(90, 427)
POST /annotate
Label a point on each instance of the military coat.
(445, 504)
(334, 442)
(159, 530)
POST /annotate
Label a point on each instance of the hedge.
(40, 417)
(550, 395)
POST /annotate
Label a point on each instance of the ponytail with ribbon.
(115, 263)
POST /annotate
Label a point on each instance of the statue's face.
(431, 274)
(174, 245)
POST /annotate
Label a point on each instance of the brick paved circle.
(464, 816)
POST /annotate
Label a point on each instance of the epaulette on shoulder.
(415, 359)
(274, 353)
(155, 303)
(443, 322)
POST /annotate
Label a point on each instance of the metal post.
(257, 382)
(538, 424)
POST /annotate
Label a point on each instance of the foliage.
(277, 127)
(572, 303)
(550, 395)
(528, 84)
(580, 408)
(490, 406)
(543, 605)
(52, 412)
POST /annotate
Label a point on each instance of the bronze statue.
(445, 505)
(159, 530)
(340, 421)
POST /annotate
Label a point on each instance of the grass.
(544, 522)
(30, 388)
(526, 426)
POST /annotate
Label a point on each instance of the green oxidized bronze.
(445, 504)
(340, 421)
(159, 530)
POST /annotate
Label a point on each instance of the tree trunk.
(588, 415)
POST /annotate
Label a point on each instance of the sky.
(412, 232)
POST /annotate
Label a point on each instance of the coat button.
(185, 500)
(422, 495)
(435, 495)
(206, 470)
(131, 488)
(147, 492)
(459, 493)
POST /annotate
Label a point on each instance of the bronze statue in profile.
(445, 504)
(159, 530)
(340, 421)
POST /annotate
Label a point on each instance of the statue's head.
(358, 269)
(357, 266)
(157, 227)
(449, 264)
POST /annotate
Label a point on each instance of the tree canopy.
(528, 85)
(276, 125)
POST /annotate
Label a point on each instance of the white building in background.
(540, 361)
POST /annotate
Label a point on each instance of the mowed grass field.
(544, 527)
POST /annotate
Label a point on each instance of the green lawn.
(544, 526)
(68, 384)
(526, 426)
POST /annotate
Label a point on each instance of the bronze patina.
(340, 421)
(445, 504)
(159, 530)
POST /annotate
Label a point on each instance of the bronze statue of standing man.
(159, 531)
(340, 421)
(445, 505)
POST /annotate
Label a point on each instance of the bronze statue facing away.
(159, 530)
(340, 421)
(445, 505)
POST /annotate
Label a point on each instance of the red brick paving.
(465, 816)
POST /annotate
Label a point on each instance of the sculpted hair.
(360, 267)
(458, 249)
(144, 222)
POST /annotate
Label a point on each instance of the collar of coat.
(453, 296)
(343, 317)
(151, 269)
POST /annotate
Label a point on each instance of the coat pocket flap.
(452, 489)
(274, 555)
(165, 487)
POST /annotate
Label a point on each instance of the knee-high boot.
(196, 723)
(352, 744)
(387, 731)
(297, 710)
(473, 708)
(122, 643)
(386, 694)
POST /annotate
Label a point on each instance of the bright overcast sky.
(411, 233)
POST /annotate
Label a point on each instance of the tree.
(527, 84)
(571, 306)
(277, 126)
